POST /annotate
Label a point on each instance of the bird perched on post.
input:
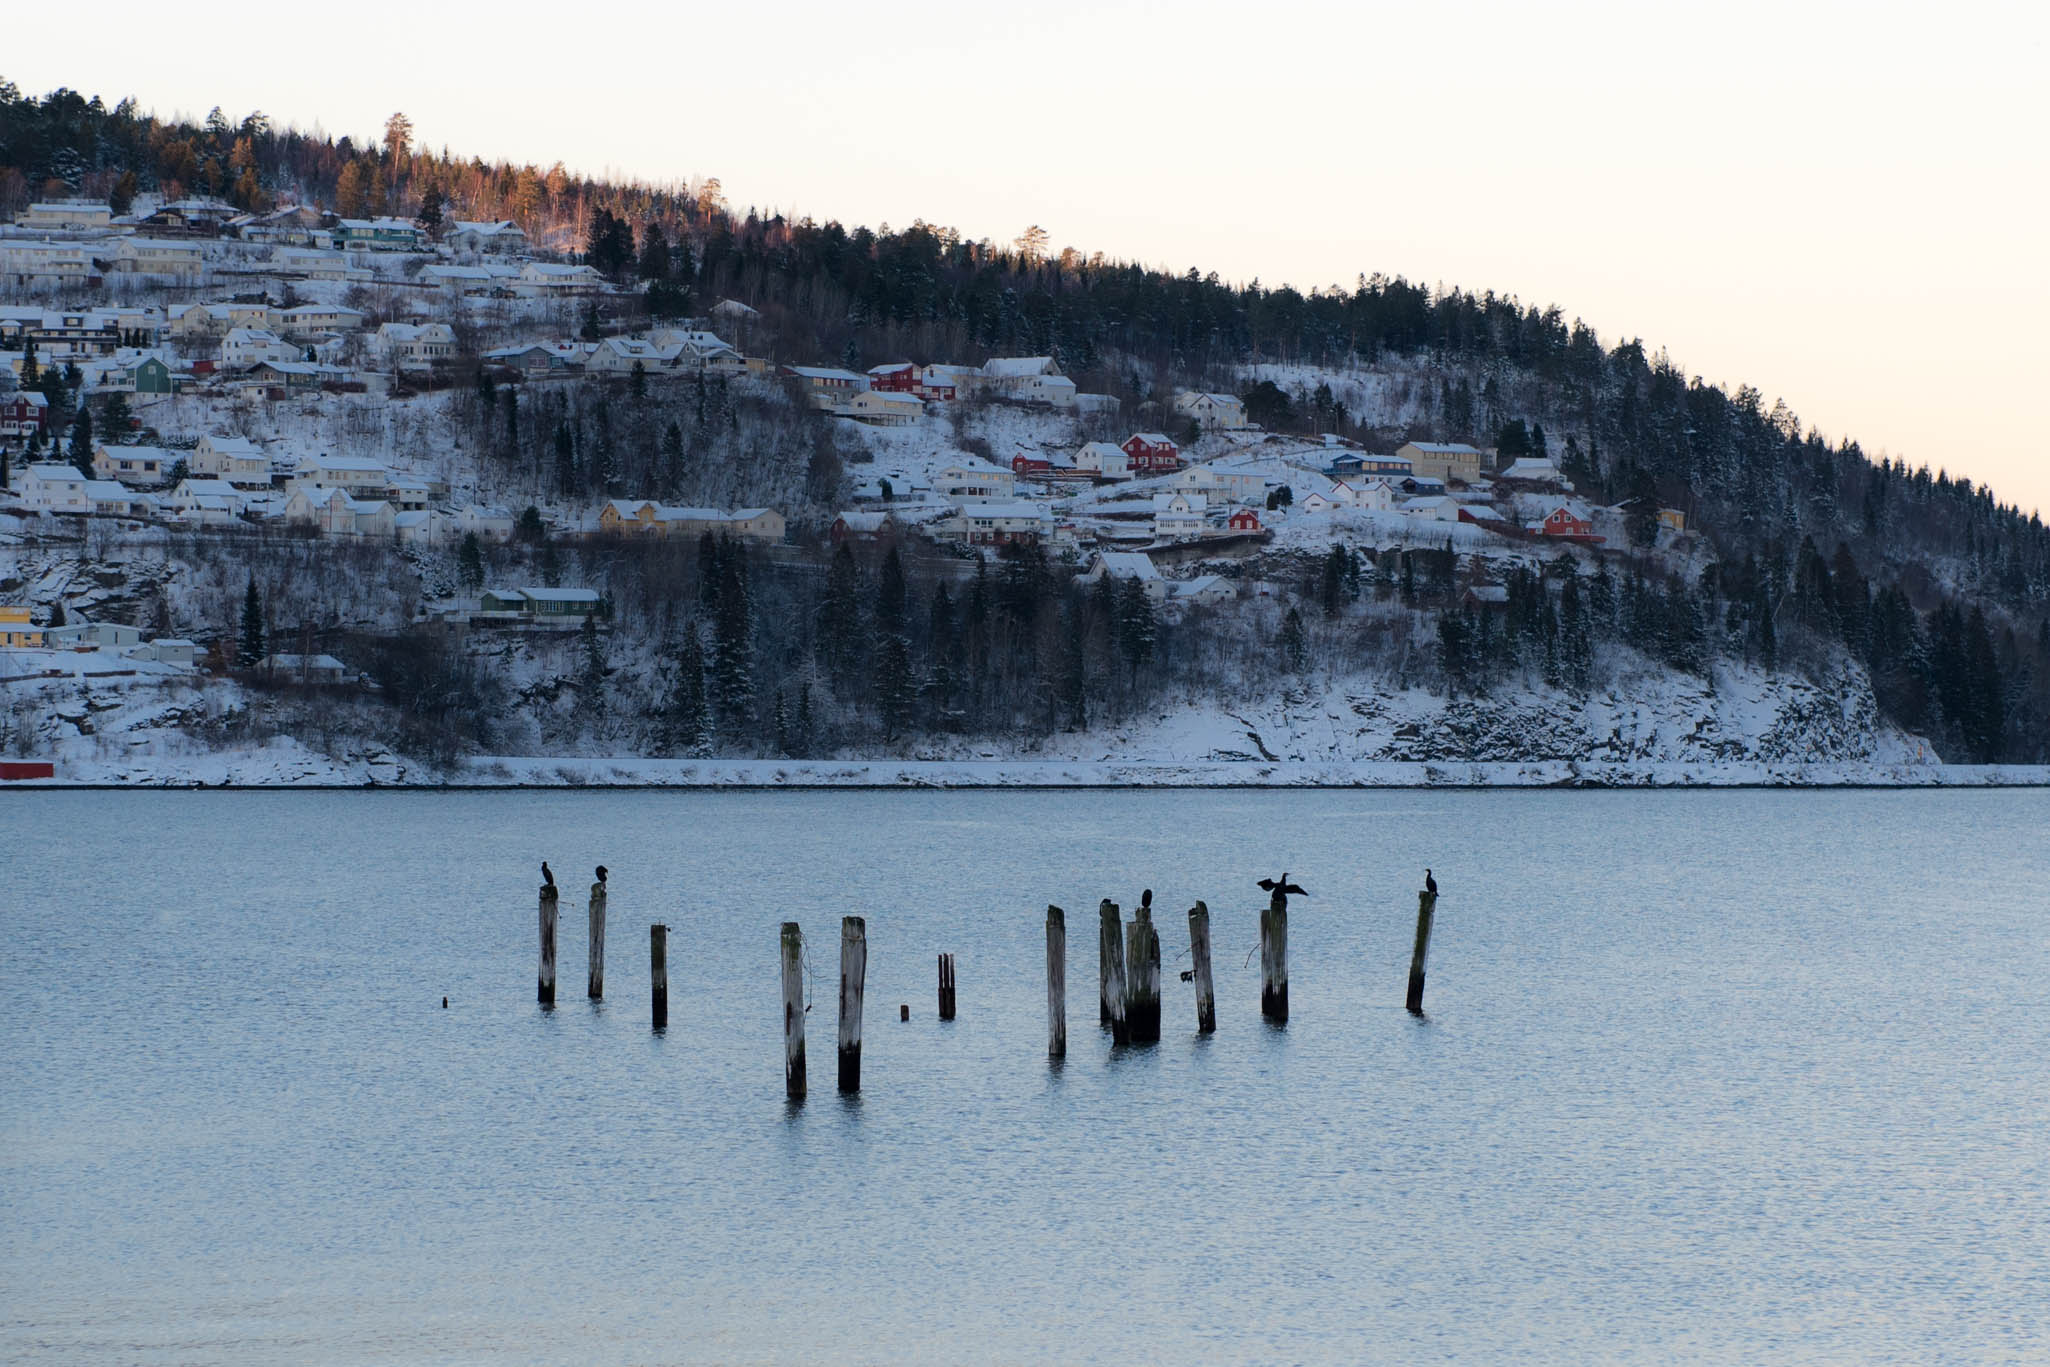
(1430, 883)
(601, 873)
(1146, 900)
(547, 877)
(1280, 890)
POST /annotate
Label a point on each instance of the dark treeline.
(1934, 583)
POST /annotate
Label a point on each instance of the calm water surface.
(1739, 1077)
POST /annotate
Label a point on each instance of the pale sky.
(1845, 205)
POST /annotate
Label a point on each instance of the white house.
(335, 513)
(30, 264)
(466, 235)
(1178, 516)
(883, 408)
(974, 481)
(355, 474)
(1057, 390)
(543, 280)
(314, 320)
(1128, 565)
(149, 465)
(51, 487)
(1106, 460)
(158, 256)
(66, 216)
(419, 527)
(237, 460)
(245, 347)
(111, 498)
(416, 346)
(165, 650)
(1432, 508)
(1211, 410)
(1205, 591)
(997, 523)
(486, 524)
(311, 263)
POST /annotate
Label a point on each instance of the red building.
(1152, 453)
(1244, 520)
(1561, 522)
(898, 377)
(23, 413)
(1022, 464)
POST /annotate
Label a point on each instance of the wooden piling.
(597, 984)
(1056, 983)
(1199, 956)
(903, 1011)
(658, 972)
(1110, 953)
(946, 987)
(853, 972)
(1142, 979)
(1426, 911)
(1274, 958)
(793, 1011)
(547, 979)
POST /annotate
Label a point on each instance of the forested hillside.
(1930, 582)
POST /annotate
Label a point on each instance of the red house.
(1022, 464)
(1244, 520)
(1152, 453)
(23, 413)
(1561, 522)
(898, 377)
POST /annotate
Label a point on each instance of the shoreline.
(268, 770)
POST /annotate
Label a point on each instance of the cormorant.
(547, 876)
(1284, 887)
(601, 873)
(1146, 899)
(1430, 883)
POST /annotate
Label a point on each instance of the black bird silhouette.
(1146, 899)
(1430, 883)
(1284, 887)
(547, 876)
(601, 873)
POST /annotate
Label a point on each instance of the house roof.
(555, 595)
(891, 368)
(1152, 438)
(1446, 448)
(1017, 367)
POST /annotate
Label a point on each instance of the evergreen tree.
(81, 448)
(893, 691)
(839, 621)
(591, 676)
(733, 683)
(1136, 627)
(249, 650)
(31, 369)
(470, 562)
(1294, 652)
(430, 216)
(801, 732)
(654, 262)
(637, 381)
(690, 715)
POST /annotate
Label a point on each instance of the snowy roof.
(812, 372)
(1152, 438)
(412, 519)
(890, 368)
(338, 464)
(1529, 467)
(1033, 512)
(233, 446)
(1126, 565)
(51, 469)
(558, 595)
(1490, 593)
(1017, 367)
(1446, 448)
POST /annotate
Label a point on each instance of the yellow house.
(627, 516)
(1673, 518)
(15, 629)
(1444, 460)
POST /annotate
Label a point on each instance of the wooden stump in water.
(1056, 983)
(1426, 911)
(1142, 980)
(793, 1010)
(597, 984)
(946, 987)
(853, 971)
(547, 978)
(658, 972)
(1110, 953)
(1199, 957)
(1274, 959)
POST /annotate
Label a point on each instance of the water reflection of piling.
(1426, 911)
(546, 991)
(946, 987)
(853, 971)
(793, 1011)
(1199, 967)
(1110, 955)
(658, 973)
(1056, 983)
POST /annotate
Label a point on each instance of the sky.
(1845, 206)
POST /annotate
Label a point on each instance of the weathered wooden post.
(1056, 983)
(853, 970)
(597, 985)
(1199, 955)
(1274, 949)
(793, 1011)
(1142, 978)
(903, 1011)
(547, 981)
(658, 972)
(1110, 953)
(1426, 910)
(946, 987)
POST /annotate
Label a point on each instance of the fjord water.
(1714, 1076)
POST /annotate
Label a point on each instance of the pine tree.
(893, 690)
(839, 621)
(1294, 651)
(637, 381)
(733, 683)
(249, 650)
(470, 562)
(801, 735)
(591, 677)
(690, 716)
(81, 448)
(1136, 628)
